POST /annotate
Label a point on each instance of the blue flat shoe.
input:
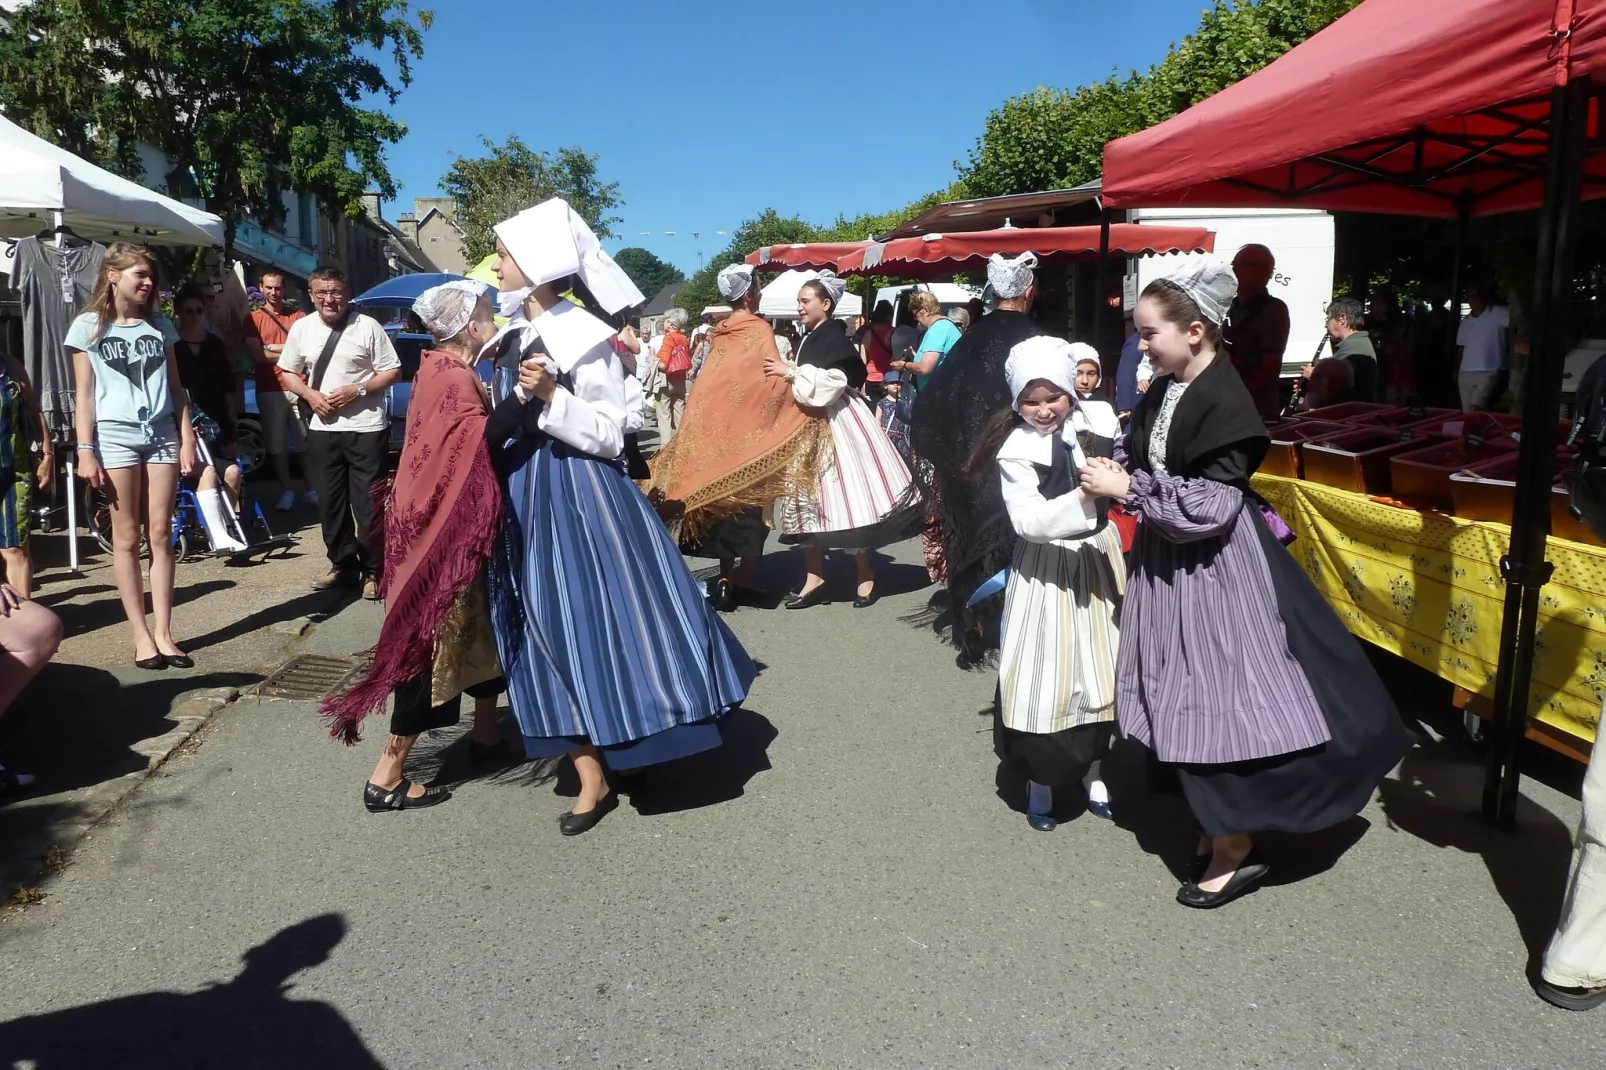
(1100, 809)
(1042, 822)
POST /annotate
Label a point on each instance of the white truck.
(1300, 239)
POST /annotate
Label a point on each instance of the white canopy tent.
(779, 299)
(39, 180)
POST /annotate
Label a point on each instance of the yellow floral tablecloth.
(1428, 587)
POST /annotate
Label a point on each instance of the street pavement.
(840, 886)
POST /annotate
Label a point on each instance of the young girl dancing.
(1234, 670)
(1056, 663)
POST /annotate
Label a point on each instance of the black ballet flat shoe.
(1251, 871)
(1568, 998)
(723, 596)
(179, 661)
(573, 824)
(155, 661)
(817, 597)
(865, 601)
(378, 800)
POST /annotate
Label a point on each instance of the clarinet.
(1299, 384)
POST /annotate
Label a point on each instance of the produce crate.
(1358, 459)
(1346, 413)
(1488, 491)
(1421, 476)
(1286, 456)
(1402, 416)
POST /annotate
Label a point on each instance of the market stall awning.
(38, 178)
(938, 256)
(811, 256)
(1419, 107)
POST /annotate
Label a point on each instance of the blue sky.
(706, 114)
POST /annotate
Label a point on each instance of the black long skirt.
(1317, 788)
(1055, 759)
(412, 715)
(742, 535)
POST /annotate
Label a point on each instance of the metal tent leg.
(72, 513)
(1525, 568)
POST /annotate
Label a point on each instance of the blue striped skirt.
(605, 637)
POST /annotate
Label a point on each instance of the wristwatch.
(362, 390)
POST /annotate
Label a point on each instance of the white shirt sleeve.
(384, 350)
(1145, 369)
(818, 387)
(635, 405)
(592, 417)
(1040, 519)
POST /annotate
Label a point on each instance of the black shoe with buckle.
(378, 800)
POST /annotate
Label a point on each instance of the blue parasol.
(403, 290)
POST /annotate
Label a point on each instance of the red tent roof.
(812, 256)
(1405, 106)
(938, 256)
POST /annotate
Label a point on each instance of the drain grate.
(310, 676)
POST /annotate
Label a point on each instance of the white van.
(950, 295)
(1300, 239)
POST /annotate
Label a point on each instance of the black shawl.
(1217, 414)
(828, 346)
(964, 393)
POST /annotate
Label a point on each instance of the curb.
(43, 859)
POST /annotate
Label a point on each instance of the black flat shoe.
(489, 754)
(865, 601)
(573, 824)
(817, 597)
(722, 596)
(1568, 998)
(1251, 871)
(179, 661)
(155, 661)
(378, 800)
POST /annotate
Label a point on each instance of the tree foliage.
(512, 177)
(647, 271)
(1055, 138)
(246, 98)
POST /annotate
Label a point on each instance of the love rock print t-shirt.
(130, 363)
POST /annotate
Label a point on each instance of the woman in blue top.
(134, 436)
(940, 336)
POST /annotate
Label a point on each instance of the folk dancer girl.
(864, 498)
(1233, 669)
(611, 652)
(1056, 666)
(442, 518)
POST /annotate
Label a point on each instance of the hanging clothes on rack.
(53, 285)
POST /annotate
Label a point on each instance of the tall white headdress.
(735, 280)
(550, 242)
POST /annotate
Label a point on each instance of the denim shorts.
(122, 445)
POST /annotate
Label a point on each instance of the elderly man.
(340, 363)
(742, 444)
(964, 392)
(1352, 344)
(1256, 331)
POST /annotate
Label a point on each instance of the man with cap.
(967, 389)
(742, 444)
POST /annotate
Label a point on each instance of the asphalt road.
(839, 887)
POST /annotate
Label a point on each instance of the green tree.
(770, 228)
(246, 98)
(1054, 138)
(649, 273)
(512, 177)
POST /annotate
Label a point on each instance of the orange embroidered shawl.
(743, 441)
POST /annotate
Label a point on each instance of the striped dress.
(604, 636)
(865, 498)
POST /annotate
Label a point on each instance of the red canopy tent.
(813, 256)
(1425, 107)
(1418, 107)
(939, 256)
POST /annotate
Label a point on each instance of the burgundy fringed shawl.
(441, 520)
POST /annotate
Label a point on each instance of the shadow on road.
(105, 612)
(316, 605)
(249, 1021)
(705, 779)
(1437, 799)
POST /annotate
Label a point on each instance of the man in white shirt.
(1481, 348)
(347, 436)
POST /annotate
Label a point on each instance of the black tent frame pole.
(1458, 283)
(1101, 285)
(1525, 569)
